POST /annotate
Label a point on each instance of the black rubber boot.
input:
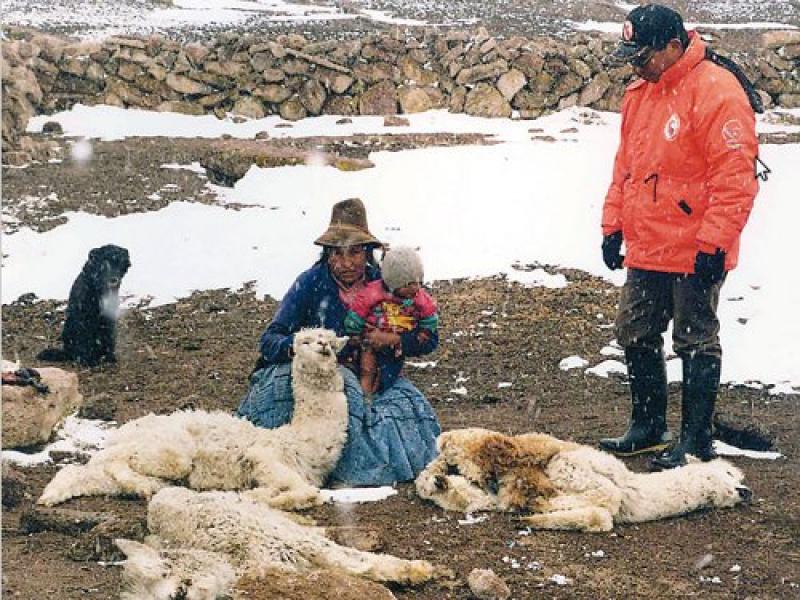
(699, 394)
(647, 431)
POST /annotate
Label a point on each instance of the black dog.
(89, 333)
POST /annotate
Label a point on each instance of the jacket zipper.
(654, 177)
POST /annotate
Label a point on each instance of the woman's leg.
(269, 402)
(390, 440)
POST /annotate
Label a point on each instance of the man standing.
(682, 189)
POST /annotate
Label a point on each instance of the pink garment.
(382, 309)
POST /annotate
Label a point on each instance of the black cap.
(649, 27)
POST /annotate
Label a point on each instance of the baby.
(396, 303)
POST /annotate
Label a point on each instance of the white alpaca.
(564, 485)
(282, 467)
(202, 542)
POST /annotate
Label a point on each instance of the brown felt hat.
(348, 226)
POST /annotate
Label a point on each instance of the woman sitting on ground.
(391, 438)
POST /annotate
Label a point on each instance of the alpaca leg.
(281, 487)
(131, 483)
(588, 518)
(377, 567)
(79, 480)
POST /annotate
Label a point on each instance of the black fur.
(89, 333)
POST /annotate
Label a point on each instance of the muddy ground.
(197, 352)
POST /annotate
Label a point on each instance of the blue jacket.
(313, 301)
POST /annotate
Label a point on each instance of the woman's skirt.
(390, 439)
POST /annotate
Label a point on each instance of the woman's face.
(348, 264)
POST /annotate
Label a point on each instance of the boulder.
(185, 85)
(486, 585)
(380, 99)
(312, 96)
(485, 101)
(510, 83)
(774, 39)
(594, 90)
(30, 417)
(292, 109)
(413, 99)
(272, 92)
(249, 107)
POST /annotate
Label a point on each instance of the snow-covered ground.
(473, 211)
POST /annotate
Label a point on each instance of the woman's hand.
(381, 340)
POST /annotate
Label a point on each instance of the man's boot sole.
(647, 450)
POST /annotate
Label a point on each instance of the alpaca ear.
(340, 342)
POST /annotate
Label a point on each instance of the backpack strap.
(726, 63)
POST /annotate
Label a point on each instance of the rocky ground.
(198, 351)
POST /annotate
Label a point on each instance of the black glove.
(612, 244)
(709, 268)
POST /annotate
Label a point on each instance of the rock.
(99, 406)
(510, 83)
(312, 96)
(15, 158)
(52, 128)
(380, 99)
(98, 543)
(292, 109)
(30, 417)
(482, 72)
(395, 121)
(774, 39)
(273, 93)
(341, 105)
(791, 52)
(374, 72)
(413, 100)
(182, 107)
(789, 100)
(344, 121)
(273, 75)
(341, 83)
(14, 486)
(196, 53)
(308, 585)
(486, 585)
(485, 101)
(568, 84)
(249, 107)
(185, 85)
(60, 520)
(594, 90)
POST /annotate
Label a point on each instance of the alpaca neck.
(309, 383)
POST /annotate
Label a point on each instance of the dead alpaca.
(282, 467)
(90, 329)
(564, 485)
(202, 543)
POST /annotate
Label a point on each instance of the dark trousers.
(650, 299)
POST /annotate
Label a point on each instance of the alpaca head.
(150, 574)
(316, 349)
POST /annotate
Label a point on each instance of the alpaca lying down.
(202, 542)
(564, 485)
(282, 467)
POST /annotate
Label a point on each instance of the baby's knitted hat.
(401, 266)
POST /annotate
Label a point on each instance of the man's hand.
(612, 244)
(709, 268)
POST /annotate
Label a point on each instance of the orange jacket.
(684, 174)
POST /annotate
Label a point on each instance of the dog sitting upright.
(89, 333)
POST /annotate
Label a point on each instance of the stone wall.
(469, 72)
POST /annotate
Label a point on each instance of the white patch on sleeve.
(732, 133)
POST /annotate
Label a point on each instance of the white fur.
(205, 541)
(282, 467)
(593, 489)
